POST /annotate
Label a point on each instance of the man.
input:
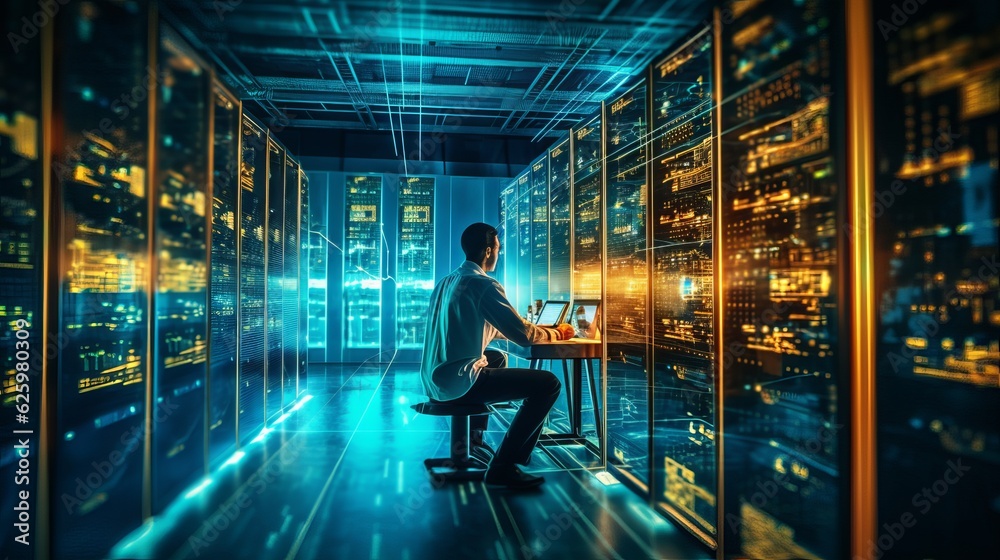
(468, 309)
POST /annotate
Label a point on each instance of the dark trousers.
(497, 383)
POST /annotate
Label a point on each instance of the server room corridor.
(342, 477)
(756, 242)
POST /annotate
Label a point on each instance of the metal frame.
(860, 179)
(153, 265)
(47, 435)
(717, 291)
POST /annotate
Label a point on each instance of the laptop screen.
(582, 317)
(551, 313)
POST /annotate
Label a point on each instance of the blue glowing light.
(198, 489)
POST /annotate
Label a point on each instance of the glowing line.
(294, 551)
(388, 105)
(360, 269)
(402, 92)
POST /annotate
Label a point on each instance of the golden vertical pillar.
(860, 243)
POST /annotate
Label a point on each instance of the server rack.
(252, 287)
(100, 286)
(783, 274)
(290, 282)
(933, 220)
(181, 171)
(23, 255)
(560, 218)
(221, 402)
(539, 230)
(415, 260)
(362, 267)
(682, 286)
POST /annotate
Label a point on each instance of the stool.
(463, 463)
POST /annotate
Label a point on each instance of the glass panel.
(625, 207)
(781, 207)
(290, 285)
(559, 222)
(938, 321)
(318, 279)
(508, 241)
(21, 254)
(275, 227)
(539, 231)
(363, 263)
(415, 269)
(587, 205)
(627, 283)
(684, 427)
(524, 289)
(225, 188)
(100, 171)
(181, 245)
(304, 264)
(253, 203)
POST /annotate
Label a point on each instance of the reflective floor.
(343, 478)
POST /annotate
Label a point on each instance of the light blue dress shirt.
(467, 310)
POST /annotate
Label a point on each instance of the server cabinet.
(780, 204)
(560, 221)
(22, 255)
(624, 206)
(363, 266)
(508, 265)
(937, 321)
(304, 265)
(223, 304)
(540, 229)
(180, 246)
(587, 226)
(415, 265)
(274, 221)
(320, 247)
(523, 298)
(290, 283)
(102, 243)
(252, 278)
(684, 377)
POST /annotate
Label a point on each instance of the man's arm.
(501, 314)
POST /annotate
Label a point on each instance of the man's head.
(481, 245)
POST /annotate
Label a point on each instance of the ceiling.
(512, 67)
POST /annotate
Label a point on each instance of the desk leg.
(592, 381)
(577, 411)
(570, 396)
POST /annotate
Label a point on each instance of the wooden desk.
(579, 351)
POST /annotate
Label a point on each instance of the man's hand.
(566, 331)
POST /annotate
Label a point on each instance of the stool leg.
(460, 439)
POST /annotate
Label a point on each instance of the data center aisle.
(343, 479)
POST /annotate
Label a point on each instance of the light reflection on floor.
(343, 478)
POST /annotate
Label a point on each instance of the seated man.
(468, 309)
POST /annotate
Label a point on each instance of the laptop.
(552, 313)
(585, 316)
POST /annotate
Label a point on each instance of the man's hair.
(476, 238)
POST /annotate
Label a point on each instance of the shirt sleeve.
(501, 314)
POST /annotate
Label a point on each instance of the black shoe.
(512, 477)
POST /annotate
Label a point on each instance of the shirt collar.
(473, 267)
